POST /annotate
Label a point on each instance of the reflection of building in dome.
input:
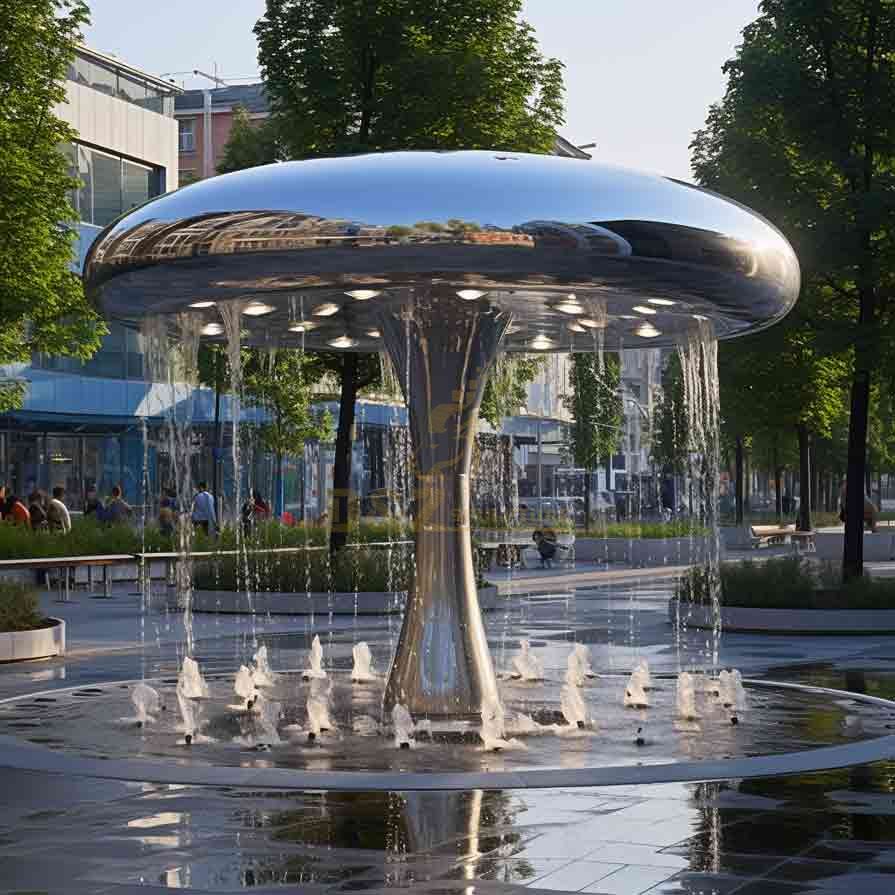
(580, 237)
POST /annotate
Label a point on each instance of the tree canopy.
(805, 134)
(42, 304)
(348, 76)
(249, 144)
(507, 387)
(279, 381)
(595, 404)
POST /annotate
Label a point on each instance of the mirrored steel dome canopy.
(564, 248)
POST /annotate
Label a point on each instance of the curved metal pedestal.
(442, 347)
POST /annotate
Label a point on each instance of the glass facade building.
(83, 423)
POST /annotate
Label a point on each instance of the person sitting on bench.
(546, 544)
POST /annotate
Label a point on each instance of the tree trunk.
(338, 535)
(853, 557)
(738, 480)
(587, 501)
(747, 483)
(218, 452)
(815, 477)
(279, 503)
(804, 518)
(778, 485)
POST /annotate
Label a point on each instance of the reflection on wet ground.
(829, 833)
(824, 833)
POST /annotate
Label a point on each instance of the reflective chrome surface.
(442, 666)
(527, 231)
(443, 259)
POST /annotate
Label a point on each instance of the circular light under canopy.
(342, 342)
(258, 309)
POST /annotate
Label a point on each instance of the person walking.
(167, 511)
(204, 516)
(117, 508)
(37, 507)
(92, 503)
(58, 517)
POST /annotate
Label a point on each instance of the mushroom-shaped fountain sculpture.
(444, 259)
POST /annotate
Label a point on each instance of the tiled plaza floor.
(826, 833)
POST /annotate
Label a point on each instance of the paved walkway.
(831, 834)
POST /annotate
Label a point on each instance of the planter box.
(16, 646)
(789, 621)
(643, 552)
(273, 603)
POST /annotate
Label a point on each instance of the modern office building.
(81, 422)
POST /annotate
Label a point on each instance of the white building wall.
(109, 123)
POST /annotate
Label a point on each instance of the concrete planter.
(19, 576)
(789, 621)
(277, 603)
(643, 552)
(16, 646)
(878, 546)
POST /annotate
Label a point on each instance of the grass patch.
(786, 583)
(19, 610)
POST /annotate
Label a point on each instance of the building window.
(110, 185)
(106, 188)
(105, 77)
(187, 134)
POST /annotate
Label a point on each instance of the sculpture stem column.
(442, 348)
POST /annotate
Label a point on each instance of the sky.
(640, 74)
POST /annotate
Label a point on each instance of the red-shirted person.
(16, 512)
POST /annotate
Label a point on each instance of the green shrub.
(90, 538)
(786, 583)
(19, 609)
(656, 530)
(352, 569)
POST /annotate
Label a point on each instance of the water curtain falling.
(171, 344)
(231, 315)
(698, 354)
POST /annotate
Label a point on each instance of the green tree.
(668, 439)
(347, 76)
(42, 304)
(780, 381)
(805, 133)
(249, 144)
(507, 387)
(597, 411)
(279, 381)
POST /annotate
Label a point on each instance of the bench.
(765, 535)
(68, 563)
